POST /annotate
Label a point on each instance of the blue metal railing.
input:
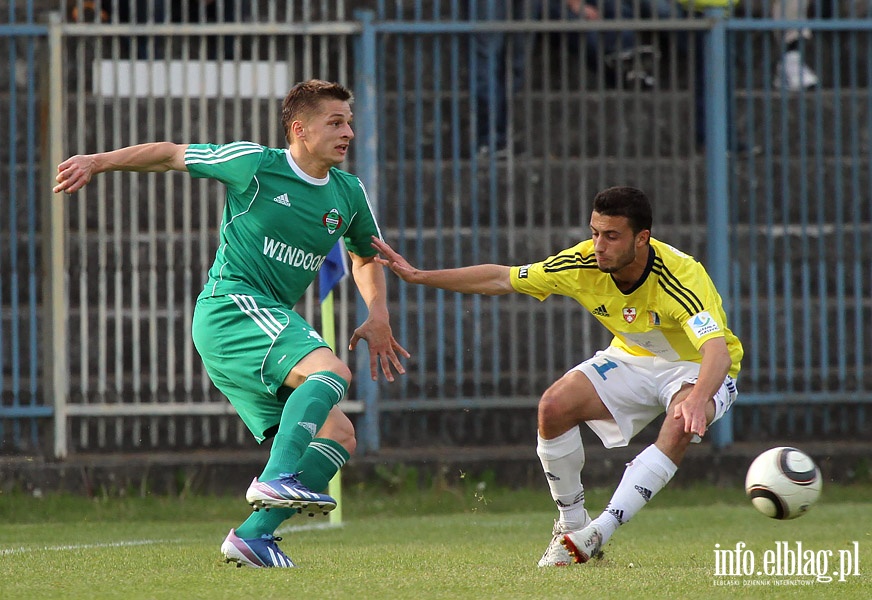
(776, 204)
(22, 401)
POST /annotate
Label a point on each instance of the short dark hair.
(625, 201)
(304, 98)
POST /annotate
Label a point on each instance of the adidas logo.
(310, 427)
(600, 311)
(551, 476)
(579, 498)
(298, 492)
(282, 199)
(617, 514)
(645, 492)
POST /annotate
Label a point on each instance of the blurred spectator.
(792, 73)
(135, 11)
(694, 41)
(490, 51)
(500, 58)
(620, 53)
(214, 11)
(155, 11)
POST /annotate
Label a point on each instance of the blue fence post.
(718, 210)
(366, 166)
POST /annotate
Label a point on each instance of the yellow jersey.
(670, 312)
(704, 4)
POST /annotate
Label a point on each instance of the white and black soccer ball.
(783, 483)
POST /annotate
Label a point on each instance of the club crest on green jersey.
(332, 220)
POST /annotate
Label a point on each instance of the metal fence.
(770, 189)
(25, 407)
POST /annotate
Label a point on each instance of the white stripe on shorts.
(261, 316)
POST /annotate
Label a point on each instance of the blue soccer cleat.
(287, 492)
(255, 552)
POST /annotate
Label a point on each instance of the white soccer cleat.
(794, 75)
(583, 545)
(556, 554)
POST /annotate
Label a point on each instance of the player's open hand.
(393, 260)
(694, 416)
(74, 173)
(383, 348)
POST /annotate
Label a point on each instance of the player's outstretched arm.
(75, 172)
(488, 279)
(384, 349)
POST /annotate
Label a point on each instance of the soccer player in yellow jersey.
(671, 351)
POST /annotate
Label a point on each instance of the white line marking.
(22, 550)
(310, 527)
(73, 547)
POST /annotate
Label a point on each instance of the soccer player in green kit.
(284, 210)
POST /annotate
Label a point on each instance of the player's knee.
(344, 372)
(670, 422)
(552, 414)
(320, 361)
(672, 429)
(341, 370)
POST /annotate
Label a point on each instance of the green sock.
(305, 412)
(320, 462)
(260, 522)
(318, 465)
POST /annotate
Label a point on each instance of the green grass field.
(439, 543)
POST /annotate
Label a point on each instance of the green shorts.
(249, 344)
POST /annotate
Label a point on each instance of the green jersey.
(279, 223)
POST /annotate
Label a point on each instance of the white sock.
(562, 460)
(644, 476)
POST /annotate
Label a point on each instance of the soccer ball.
(783, 483)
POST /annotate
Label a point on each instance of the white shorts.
(636, 389)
